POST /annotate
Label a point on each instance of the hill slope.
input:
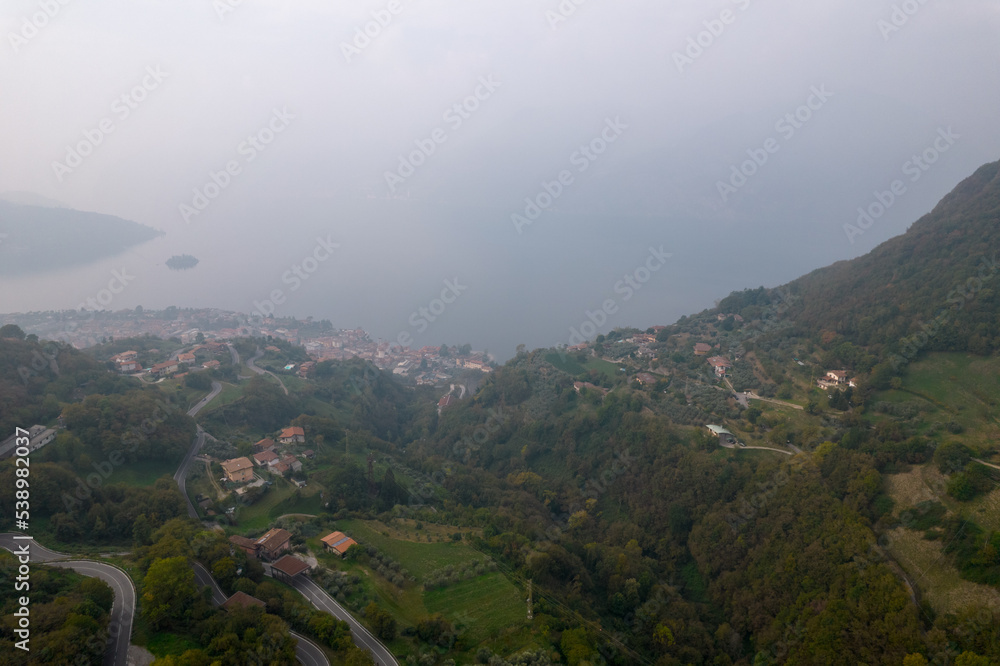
(36, 239)
(944, 261)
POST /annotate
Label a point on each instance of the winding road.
(123, 607)
(180, 476)
(262, 371)
(216, 388)
(306, 651)
(324, 602)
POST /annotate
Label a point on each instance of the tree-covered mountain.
(921, 282)
(37, 238)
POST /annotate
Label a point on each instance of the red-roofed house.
(238, 470)
(721, 365)
(264, 458)
(274, 542)
(839, 376)
(264, 445)
(338, 542)
(292, 435)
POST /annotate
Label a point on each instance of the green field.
(417, 557)
(955, 387)
(487, 609)
(570, 365)
(484, 607)
(143, 473)
(279, 500)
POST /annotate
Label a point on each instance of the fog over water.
(738, 137)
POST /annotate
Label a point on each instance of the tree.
(382, 622)
(167, 591)
(11, 331)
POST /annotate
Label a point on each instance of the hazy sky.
(669, 97)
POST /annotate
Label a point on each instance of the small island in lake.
(181, 262)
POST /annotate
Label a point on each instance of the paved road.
(216, 387)
(205, 579)
(262, 371)
(123, 607)
(233, 354)
(324, 602)
(306, 651)
(180, 476)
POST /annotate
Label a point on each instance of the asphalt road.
(123, 607)
(180, 476)
(233, 354)
(306, 651)
(262, 371)
(216, 388)
(324, 602)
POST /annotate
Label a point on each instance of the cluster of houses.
(273, 547)
(269, 457)
(127, 362)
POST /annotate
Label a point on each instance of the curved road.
(216, 388)
(262, 371)
(324, 602)
(306, 651)
(122, 608)
(180, 476)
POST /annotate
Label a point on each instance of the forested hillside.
(918, 282)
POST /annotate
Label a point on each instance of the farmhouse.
(165, 368)
(721, 365)
(702, 349)
(725, 437)
(273, 543)
(338, 542)
(264, 445)
(265, 458)
(238, 470)
(292, 435)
